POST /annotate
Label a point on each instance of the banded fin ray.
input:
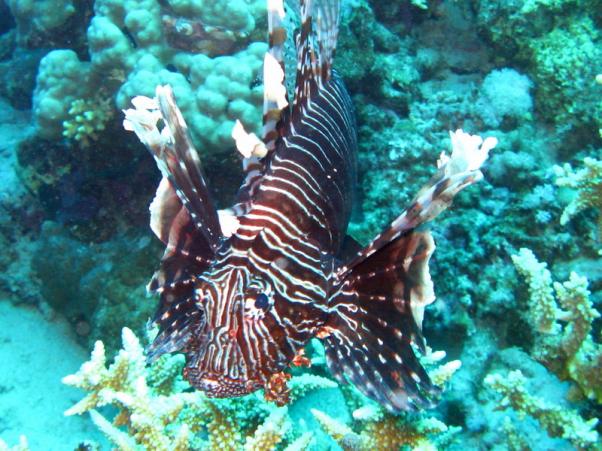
(372, 324)
(276, 109)
(315, 51)
(180, 163)
(183, 216)
(381, 292)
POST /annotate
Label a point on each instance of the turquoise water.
(514, 334)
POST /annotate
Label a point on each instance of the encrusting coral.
(206, 51)
(564, 323)
(557, 421)
(154, 412)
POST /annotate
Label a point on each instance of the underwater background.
(515, 331)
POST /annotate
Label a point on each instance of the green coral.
(563, 71)
(556, 41)
(563, 314)
(557, 421)
(87, 119)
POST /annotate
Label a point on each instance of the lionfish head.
(240, 344)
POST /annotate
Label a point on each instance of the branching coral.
(124, 385)
(154, 411)
(22, 446)
(374, 428)
(564, 323)
(557, 421)
(587, 181)
(382, 431)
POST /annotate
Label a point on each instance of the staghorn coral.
(374, 428)
(382, 431)
(587, 182)
(124, 385)
(564, 323)
(557, 421)
(154, 412)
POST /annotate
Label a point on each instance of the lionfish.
(243, 290)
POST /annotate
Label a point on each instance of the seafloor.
(517, 270)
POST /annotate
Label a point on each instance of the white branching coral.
(156, 411)
(123, 384)
(543, 310)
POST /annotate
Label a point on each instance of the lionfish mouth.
(221, 387)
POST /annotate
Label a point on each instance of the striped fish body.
(243, 290)
(283, 249)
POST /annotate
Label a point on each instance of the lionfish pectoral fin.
(177, 160)
(176, 328)
(183, 216)
(454, 173)
(375, 319)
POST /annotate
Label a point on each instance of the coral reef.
(155, 410)
(88, 119)
(74, 227)
(22, 446)
(135, 45)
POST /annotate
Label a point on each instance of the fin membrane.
(376, 315)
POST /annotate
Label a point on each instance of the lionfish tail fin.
(182, 215)
(375, 320)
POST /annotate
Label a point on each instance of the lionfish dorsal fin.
(316, 44)
(275, 96)
(276, 110)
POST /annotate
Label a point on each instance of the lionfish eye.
(262, 301)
